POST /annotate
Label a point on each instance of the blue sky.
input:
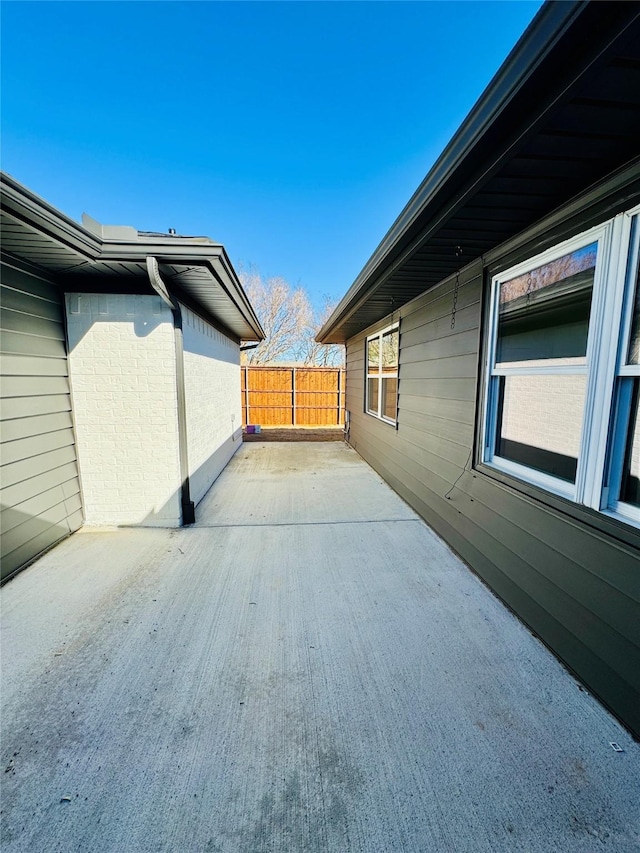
(292, 132)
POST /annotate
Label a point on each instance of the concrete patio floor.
(308, 668)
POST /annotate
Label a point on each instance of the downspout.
(187, 505)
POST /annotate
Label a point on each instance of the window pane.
(634, 342)
(372, 396)
(373, 355)
(540, 422)
(630, 490)
(390, 351)
(544, 314)
(389, 396)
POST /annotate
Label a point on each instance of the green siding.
(41, 501)
(575, 586)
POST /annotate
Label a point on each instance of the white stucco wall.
(212, 389)
(123, 380)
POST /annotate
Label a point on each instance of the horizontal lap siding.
(575, 587)
(41, 501)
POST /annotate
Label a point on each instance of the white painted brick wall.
(212, 388)
(545, 411)
(123, 379)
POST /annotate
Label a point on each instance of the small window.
(563, 378)
(382, 375)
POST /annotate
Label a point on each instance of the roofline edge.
(553, 18)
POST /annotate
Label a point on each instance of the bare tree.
(284, 314)
(314, 354)
(562, 268)
(290, 323)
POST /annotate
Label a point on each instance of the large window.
(563, 381)
(382, 374)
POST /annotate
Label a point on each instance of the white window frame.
(600, 447)
(379, 376)
(623, 380)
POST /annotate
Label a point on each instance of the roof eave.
(211, 255)
(26, 206)
(30, 209)
(545, 31)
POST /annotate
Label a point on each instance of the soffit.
(204, 281)
(26, 241)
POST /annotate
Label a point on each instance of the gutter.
(187, 505)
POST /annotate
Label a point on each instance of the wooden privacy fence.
(292, 396)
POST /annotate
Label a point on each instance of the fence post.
(246, 392)
(339, 392)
